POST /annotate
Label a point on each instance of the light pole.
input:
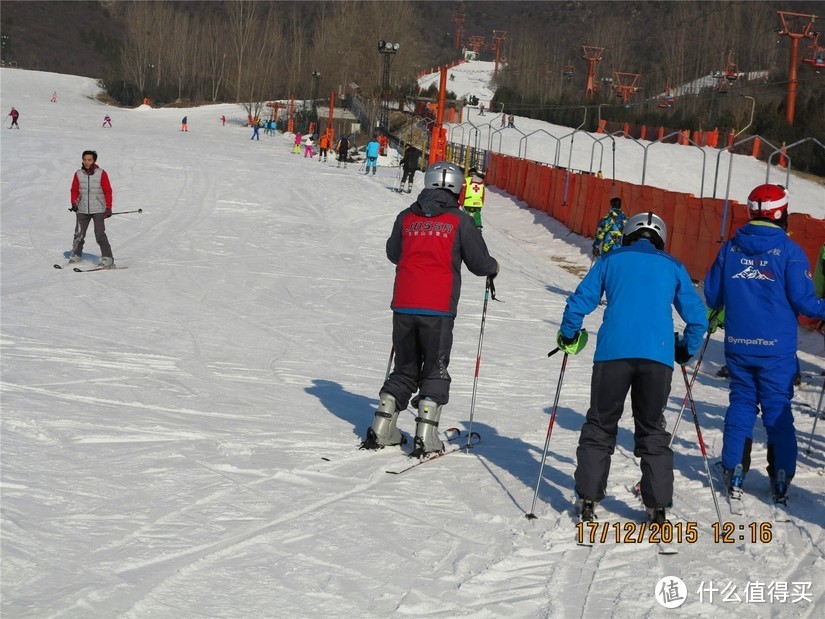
(387, 51)
(316, 76)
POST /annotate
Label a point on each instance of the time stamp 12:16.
(679, 532)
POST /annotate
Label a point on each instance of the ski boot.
(383, 432)
(74, 259)
(586, 509)
(426, 429)
(779, 488)
(409, 187)
(107, 262)
(656, 515)
(733, 481)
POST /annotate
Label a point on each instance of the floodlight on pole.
(387, 51)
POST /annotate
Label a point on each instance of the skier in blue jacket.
(373, 148)
(635, 352)
(763, 281)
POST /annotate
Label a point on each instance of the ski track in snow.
(180, 439)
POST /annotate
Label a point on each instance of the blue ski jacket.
(763, 280)
(373, 149)
(642, 285)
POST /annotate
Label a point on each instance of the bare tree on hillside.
(180, 51)
(243, 17)
(212, 52)
(139, 21)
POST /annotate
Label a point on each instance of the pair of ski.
(736, 503)
(79, 270)
(455, 440)
(663, 548)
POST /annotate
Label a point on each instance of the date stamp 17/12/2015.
(679, 532)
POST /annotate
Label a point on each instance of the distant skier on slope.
(473, 195)
(429, 242)
(343, 150)
(409, 163)
(372, 150)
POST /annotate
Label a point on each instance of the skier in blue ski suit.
(635, 352)
(373, 148)
(763, 281)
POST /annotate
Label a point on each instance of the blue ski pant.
(372, 162)
(761, 384)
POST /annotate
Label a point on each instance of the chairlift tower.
(592, 55)
(731, 68)
(476, 43)
(458, 18)
(795, 26)
(626, 84)
(498, 38)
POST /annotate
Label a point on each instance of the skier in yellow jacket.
(473, 196)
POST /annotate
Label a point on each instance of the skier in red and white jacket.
(91, 196)
(429, 242)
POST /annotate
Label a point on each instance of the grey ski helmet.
(645, 226)
(444, 175)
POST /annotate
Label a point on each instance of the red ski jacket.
(428, 243)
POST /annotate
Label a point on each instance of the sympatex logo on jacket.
(429, 242)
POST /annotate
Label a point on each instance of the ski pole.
(701, 443)
(692, 380)
(487, 288)
(140, 210)
(818, 413)
(532, 515)
(389, 363)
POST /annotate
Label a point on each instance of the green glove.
(716, 319)
(574, 345)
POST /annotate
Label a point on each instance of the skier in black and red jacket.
(429, 242)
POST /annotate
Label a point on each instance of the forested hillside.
(251, 51)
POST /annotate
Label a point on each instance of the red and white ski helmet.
(768, 202)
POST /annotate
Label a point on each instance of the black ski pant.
(407, 176)
(82, 226)
(649, 386)
(422, 354)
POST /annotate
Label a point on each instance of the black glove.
(682, 354)
(73, 208)
(498, 270)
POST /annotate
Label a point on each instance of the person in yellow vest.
(474, 195)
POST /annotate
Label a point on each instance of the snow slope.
(179, 439)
